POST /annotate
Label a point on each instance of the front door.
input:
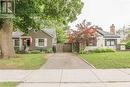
(28, 42)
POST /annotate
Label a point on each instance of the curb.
(87, 62)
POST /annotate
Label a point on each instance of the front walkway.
(68, 77)
(65, 61)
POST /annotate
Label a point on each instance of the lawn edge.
(86, 61)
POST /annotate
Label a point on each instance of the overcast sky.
(105, 12)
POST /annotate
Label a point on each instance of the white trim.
(36, 42)
(20, 43)
(15, 44)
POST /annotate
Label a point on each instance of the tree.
(84, 34)
(34, 14)
(61, 35)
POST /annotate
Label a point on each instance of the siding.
(40, 34)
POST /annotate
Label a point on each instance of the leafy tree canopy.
(34, 14)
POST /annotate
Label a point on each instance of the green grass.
(8, 84)
(24, 61)
(108, 60)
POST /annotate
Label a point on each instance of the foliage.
(102, 50)
(35, 52)
(98, 50)
(112, 60)
(128, 45)
(84, 33)
(61, 35)
(36, 14)
(82, 51)
(42, 50)
(49, 50)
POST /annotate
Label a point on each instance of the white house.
(105, 39)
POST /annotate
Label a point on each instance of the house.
(104, 39)
(37, 39)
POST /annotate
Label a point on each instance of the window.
(6, 7)
(9, 7)
(40, 42)
(16, 42)
(110, 42)
(3, 6)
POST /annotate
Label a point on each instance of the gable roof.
(50, 32)
(17, 34)
(107, 34)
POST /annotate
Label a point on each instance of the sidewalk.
(68, 77)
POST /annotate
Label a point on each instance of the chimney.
(112, 29)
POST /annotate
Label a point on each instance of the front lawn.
(24, 61)
(108, 60)
(8, 84)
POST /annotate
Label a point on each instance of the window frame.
(6, 10)
(14, 41)
(37, 42)
(110, 42)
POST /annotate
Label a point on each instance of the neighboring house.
(40, 39)
(104, 39)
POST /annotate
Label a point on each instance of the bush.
(82, 51)
(128, 45)
(45, 50)
(22, 52)
(102, 50)
(35, 52)
(49, 50)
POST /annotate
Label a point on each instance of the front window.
(16, 42)
(40, 42)
(3, 7)
(9, 7)
(110, 42)
(6, 7)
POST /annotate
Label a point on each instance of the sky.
(104, 13)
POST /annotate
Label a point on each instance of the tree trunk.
(7, 48)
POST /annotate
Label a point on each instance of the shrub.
(45, 50)
(82, 51)
(35, 52)
(128, 45)
(102, 50)
(49, 50)
(22, 52)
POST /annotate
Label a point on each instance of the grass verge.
(8, 84)
(108, 60)
(24, 61)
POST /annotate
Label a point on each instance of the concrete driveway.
(65, 61)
